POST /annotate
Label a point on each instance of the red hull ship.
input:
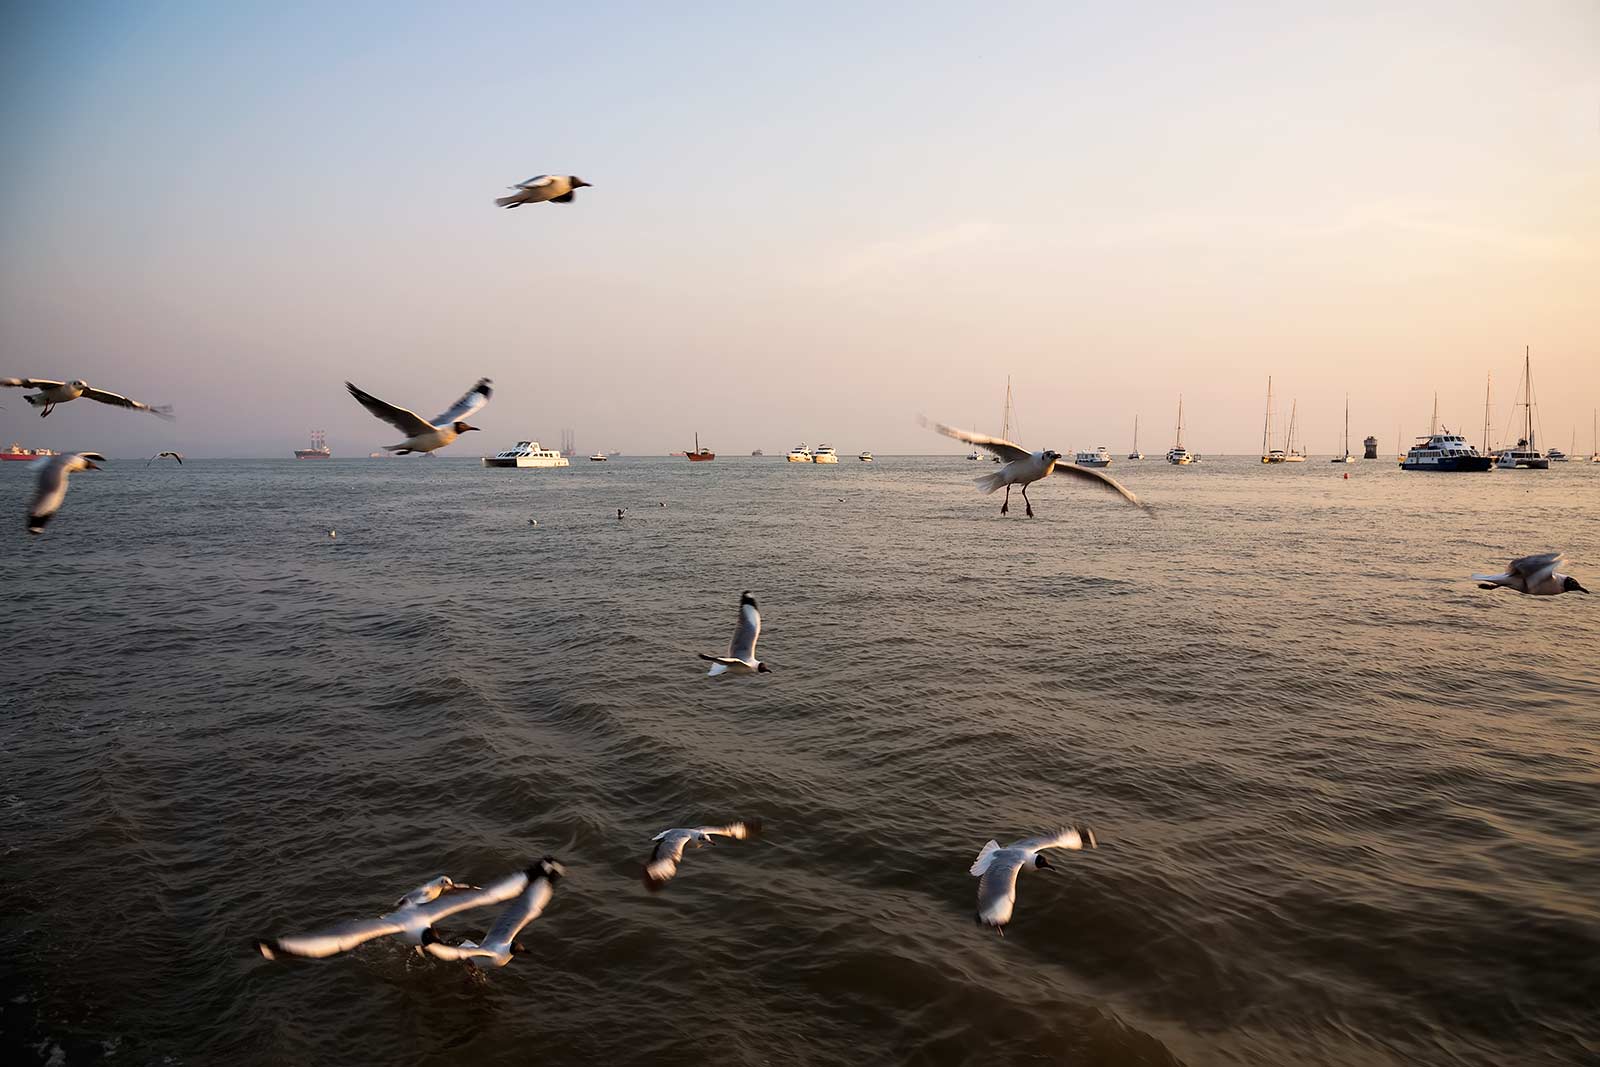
(16, 452)
(700, 455)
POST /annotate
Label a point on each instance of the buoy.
(1347, 476)
(333, 533)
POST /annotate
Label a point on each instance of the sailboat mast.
(1527, 394)
(1136, 433)
(1347, 424)
(1487, 384)
(1266, 422)
(1180, 420)
(1434, 428)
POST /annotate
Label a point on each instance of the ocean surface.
(1348, 804)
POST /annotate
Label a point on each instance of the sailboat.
(1177, 454)
(1005, 419)
(700, 455)
(1268, 453)
(1525, 455)
(1136, 454)
(1291, 456)
(1347, 457)
(1594, 437)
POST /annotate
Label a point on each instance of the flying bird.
(1024, 468)
(158, 455)
(741, 657)
(52, 486)
(1534, 575)
(500, 943)
(556, 188)
(423, 436)
(997, 868)
(663, 862)
(411, 916)
(52, 393)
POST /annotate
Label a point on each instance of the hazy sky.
(808, 222)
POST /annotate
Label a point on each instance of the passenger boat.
(1444, 451)
(825, 454)
(1098, 458)
(700, 455)
(800, 453)
(1177, 454)
(526, 454)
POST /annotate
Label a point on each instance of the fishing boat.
(1136, 454)
(825, 454)
(700, 455)
(1525, 454)
(1347, 457)
(1177, 454)
(800, 453)
(1268, 453)
(526, 454)
(1098, 458)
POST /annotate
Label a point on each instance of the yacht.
(973, 454)
(599, 457)
(1098, 458)
(1268, 453)
(1526, 454)
(825, 454)
(1555, 455)
(1177, 454)
(800, 454)
(527, 454)
(1444, 451)
(865, 457)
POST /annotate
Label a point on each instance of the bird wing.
(1067, 837)
(985, 854)
(465, 898)
(474, 399)
(998, 445)
(1105, 481)
(406, 421)
(736, 830)
(538, 181)
(51, 488)
(743, 646)
(517, 914)
(118, 400)
(1529, 566)
(663, 862)
(997, 888)
(30, 383)
(331, 940)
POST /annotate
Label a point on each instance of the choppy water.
(1346, 801)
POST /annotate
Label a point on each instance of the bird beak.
(578, 183)
(464, 429)
(1578, 588)
(91, 465)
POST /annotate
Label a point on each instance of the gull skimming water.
(51, 490)
(421, 435)
(52, 392)
(1024, 468)
(663, 863)
(997, 868)
(741, 657)
(1534, 575)
(159, 455)
(500, 943)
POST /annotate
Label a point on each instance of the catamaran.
(1525, 453)
(1177, 454)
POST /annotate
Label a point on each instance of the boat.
(1268, 453)
(758, 452)
(800, 453)
(825, 454)
(1177, 454)
(319, 447)
(973, 454)
(1525, 454)
(1594, 437)
(1555, 455)
(1291, 454)
(1444, 451)
(15, 451)
(1347, 457)
(527, 454)
(1005, 423)
(1136, 454)
(700, 455)
(1098, 458)
(599, 457)
(865, 457)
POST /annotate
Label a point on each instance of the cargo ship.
(15, 451)
(319, 447)
(700, 455)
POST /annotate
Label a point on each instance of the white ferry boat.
(1098, 458)
(526, 454)
(599, 457)
(800, 454)
(825, 454)
(1444, 451)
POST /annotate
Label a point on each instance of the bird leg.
(1026, 501)
(48, 408)
(1006, 506)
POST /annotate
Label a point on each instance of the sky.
(808, 222)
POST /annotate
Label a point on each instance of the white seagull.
(1024, 468)
(53, 392)
(421, 435)
(501, 943)
(741, 657)
(1534, 575)
(997, 869)
(663, 863)
(556, 188)
(413, 914)
(52, 486)
(159, 455)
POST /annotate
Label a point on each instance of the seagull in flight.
(411, 917)
(663, 863)
(1024, 468)
(1534, 575)
(159, 455)
(53, 392)
(51, 490)
(556, 188)
(500, 943)
(997, 868)
(423, 436)
(741, 657)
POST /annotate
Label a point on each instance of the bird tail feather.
(1496, 578)
(990, 482)
(507, 201)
